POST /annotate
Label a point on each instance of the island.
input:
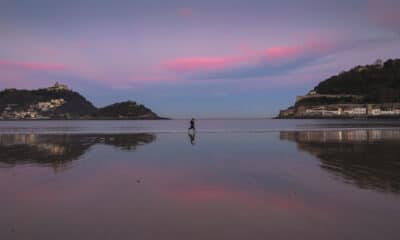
(125, 110)
(371, 91)
(59, 102)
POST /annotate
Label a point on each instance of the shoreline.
(85, 119)
(344, 118)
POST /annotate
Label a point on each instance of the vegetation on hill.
(379, 83)
(59, 102)
(125, 110)
(327, 101)
(369, 91)
(75, 104)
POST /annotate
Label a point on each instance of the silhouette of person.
(192, 137)
(192, 127)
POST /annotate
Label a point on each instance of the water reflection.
(251, 185)
(192, 138)
(58, 151)
(366, 158)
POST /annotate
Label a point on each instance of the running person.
(192, 127)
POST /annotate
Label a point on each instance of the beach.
(232, 179)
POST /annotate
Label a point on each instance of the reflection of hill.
(365, 158)
(58, 150)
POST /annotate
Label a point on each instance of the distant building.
(58, 87)
(312, 93)
(361, 68)
(354, 110)
(379, 63)
(46, 106)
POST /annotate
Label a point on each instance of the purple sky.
(206, 58)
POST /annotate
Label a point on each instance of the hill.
(125, 110)
(53, 102)
(60, 102)
(364, 91)
(378, 83)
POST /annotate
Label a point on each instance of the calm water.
(181, 126)
(236, 179)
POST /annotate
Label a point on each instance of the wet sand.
(320, 184)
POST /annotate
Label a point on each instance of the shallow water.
(229, 183)
(181, 126)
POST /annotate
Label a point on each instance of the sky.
(204, 59)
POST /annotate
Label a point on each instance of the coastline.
(86, 119)
(342, 117)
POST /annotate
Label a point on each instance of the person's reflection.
(192, 137)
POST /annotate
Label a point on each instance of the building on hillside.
(332, 111)
(290, 112)
(355, 110)
(58, 87)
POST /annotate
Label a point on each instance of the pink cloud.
(249, 56)
(199, 63)
(276, 52)
(185, 12)
(30, 66)
(311, 47)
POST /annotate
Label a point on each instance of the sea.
(229, 179)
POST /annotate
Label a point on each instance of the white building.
(355, 111)
(58, 87)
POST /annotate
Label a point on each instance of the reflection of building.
(58, 150)
(342, 136)
(364, 158)
(18, 139)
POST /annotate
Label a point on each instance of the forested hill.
(378, 83)
(125, 110)
(60, 102)
(75, 104)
